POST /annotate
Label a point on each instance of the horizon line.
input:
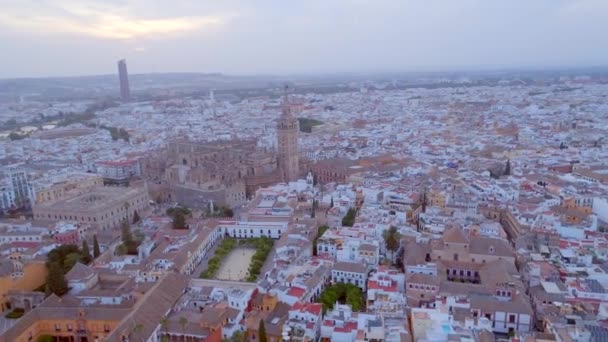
(360, 72)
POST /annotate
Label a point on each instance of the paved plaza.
(236, 264)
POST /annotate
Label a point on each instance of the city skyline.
(303, 171)
(315, 37)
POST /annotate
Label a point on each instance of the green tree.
(392, 239)
(45, 338)
(129, 245)
(56, 279)
(179, 220)
(96, 250)
(59, 254)
(86, 253)
(17, 136)
(183, 321)
(349, 219)
(164, 323)
(342, 293)
(228, 212)
(121, 249)
(125, 233)
(262, 332)
(320, 231)
(137, 328)
(508, 167)
(238, 336)
(136, 217)
(71, 260)
(354, 298)
(307, 124)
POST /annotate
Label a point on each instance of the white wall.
(600, 208)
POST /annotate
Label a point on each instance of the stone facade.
(76, 184)
(288, 129)
(225, 172)
(102, 207)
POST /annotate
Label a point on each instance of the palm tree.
(392, 238)
(164, 323)
(137, 328)
(183, 321)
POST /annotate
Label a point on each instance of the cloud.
(311, 36)
(98, 20)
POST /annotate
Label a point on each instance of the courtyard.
(235, 266)
(237, 259)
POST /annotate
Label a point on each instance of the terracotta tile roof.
(415, 253)
(455, 235)
(490, 246)
(151, 308)
(352, 267)
(80, 271)
(420, 278)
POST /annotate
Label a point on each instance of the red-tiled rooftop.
(296, 292)
(348, 327)
(24, 244)
(374, 285)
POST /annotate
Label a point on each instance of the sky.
(87, 37)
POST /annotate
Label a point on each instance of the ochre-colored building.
(67, 319)
(76, 185)
(17, 275)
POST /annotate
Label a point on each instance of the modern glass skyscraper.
(123, 75)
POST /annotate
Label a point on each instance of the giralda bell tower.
(288, 129)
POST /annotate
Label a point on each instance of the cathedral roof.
(455, 235)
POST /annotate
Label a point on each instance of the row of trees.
(342, 293)
(17, 136)
(306, 124)
(62, 119)
(213, 265)
(263, 247)
(117, 133)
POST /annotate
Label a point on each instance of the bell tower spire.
(287, 140)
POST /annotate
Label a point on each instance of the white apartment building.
(244, 230)
(350, 272)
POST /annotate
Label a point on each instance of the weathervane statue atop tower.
(287, 141)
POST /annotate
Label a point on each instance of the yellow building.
(76, 184)
(16, 275)
(436, 198)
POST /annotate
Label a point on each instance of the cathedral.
(229, 172)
